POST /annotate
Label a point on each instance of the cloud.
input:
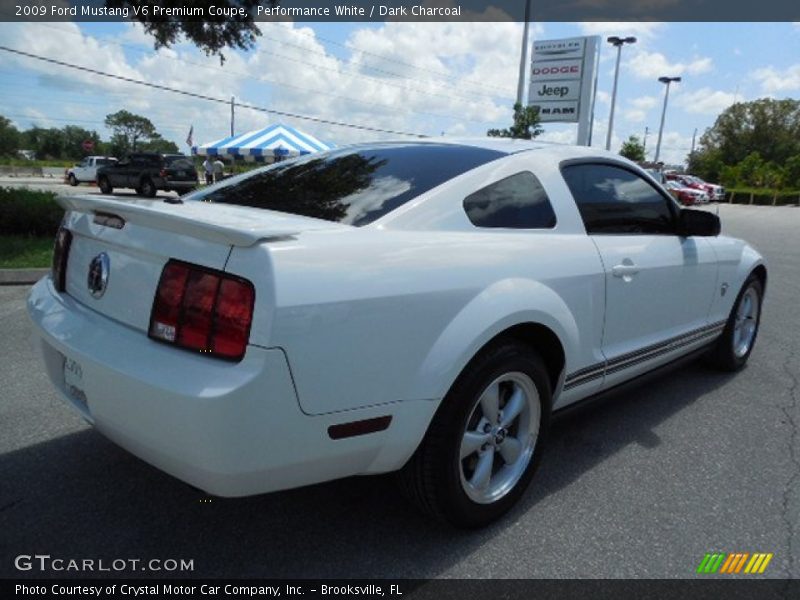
(637, 109)
(635, 115)
(390, 77)
(675, 147)
(651, 65)
(705, 101)
(644, 102)
(774, 80)
(603, 97)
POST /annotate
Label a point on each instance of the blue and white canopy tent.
(275, 142)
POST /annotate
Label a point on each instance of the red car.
(686, 195)
(714, 192)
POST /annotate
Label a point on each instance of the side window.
(516, 202)
(614, 200)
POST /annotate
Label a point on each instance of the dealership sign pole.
(563, 82)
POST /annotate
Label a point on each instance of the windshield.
(355, 185)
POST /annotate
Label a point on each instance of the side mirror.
(698, 222)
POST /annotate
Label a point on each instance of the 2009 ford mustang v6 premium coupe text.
(418, 307)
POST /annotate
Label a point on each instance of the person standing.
(219, 170)
(208, 167)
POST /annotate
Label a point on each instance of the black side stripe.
(636, 357)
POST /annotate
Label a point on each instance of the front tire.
(104, 185)
(72, 180)
(734, 346)
(485, 441)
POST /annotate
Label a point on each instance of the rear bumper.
(229, 429)
(177, 185)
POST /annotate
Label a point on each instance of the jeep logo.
(558, 91)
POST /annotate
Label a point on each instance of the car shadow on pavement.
(80, 496)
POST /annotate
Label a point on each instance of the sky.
(425, 78)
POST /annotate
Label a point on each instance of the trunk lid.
(139, 237)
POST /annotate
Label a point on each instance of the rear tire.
(733, 348)
(485, 441)
(104, 185)
(147, 188)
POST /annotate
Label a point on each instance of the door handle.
(624, 270)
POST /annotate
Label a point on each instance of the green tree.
(706, 165)
(750, 169)
(46, 143)
(633, 149)
(211, 33)
(159, 144)
(525, 126)
(73, 139)
(729, 176)
(9, 138)
(766, 126)
(129, 129)
(792, 172)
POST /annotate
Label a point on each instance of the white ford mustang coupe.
(421, 307)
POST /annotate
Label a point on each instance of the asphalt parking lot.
(639, 486)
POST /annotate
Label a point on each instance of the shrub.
(29, 212)
(764, 197)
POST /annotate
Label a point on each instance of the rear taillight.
(203, 310)
(60, 256)
(162, 173)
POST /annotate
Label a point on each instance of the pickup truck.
(86, 170)
(148, 172)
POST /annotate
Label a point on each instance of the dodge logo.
(98, 274)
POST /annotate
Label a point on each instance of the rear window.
(179, 162)
(354, 186)
(105, 161)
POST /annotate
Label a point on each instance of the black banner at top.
(399, 10)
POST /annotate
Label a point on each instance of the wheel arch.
(521, 309)
(524, 310)
(543, 341)
(760, 271)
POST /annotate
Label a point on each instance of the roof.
(504, 145)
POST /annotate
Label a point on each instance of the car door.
(140, 163)
(118, 174)
(659, 285)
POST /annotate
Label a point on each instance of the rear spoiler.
(223, 224)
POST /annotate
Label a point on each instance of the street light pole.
(666, 81)
(523, 59)
(618, 42)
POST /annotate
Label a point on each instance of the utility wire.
(232, 73)
(208, 98)
(449, 94)
(391, 59)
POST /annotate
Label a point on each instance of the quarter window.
(516, 202)
(614, 200)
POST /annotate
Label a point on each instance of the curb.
(21, 276)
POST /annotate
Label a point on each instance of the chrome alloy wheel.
(499, 438)
(746, 322)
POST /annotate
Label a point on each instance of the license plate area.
(73, 383)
